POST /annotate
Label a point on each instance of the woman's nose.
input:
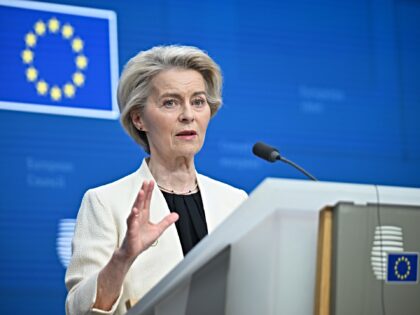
(187, 113)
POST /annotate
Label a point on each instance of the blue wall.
(334, 85)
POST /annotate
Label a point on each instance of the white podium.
(262, 259)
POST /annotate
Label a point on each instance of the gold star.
(40, 28)
(27, 56)
(53, 25)
(69, 90)
(78, 79)
(31, 74)
(81, 62)
(30, 39)
(55, 93)
(77, 44)
(67, 31)
(42, 87)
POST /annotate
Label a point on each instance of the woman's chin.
(187, 150)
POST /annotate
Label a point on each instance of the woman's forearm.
(110, 281)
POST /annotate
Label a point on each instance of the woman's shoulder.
(118, 185)
(116, 194)
(125, 184)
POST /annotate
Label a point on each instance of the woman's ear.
(137, 120)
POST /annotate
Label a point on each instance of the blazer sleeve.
(95, 240)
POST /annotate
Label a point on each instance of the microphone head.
(266, 152)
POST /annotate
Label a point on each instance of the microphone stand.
(283, 159)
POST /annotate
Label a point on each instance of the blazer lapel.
(208, 203)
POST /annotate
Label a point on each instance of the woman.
(125, 240)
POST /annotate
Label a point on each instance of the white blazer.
(100, 230)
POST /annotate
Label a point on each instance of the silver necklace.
(189, 192)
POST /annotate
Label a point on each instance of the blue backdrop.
(334, 85)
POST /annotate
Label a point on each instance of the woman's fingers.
(140, 200)
(148, 194)
(141, 233)
(133, 220)
(167, 222)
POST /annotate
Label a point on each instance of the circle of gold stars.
(53, 26)
(402, 260)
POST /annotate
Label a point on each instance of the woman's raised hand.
(141, 233)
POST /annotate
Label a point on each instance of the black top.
(191, 225)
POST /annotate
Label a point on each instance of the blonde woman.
(125, 239)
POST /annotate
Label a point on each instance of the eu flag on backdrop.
(58, 59)
(402, 267)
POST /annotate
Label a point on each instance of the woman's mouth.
(186, 134)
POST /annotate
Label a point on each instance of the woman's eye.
(199, 102)
(169, 103)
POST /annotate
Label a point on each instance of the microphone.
(271, 154)
(266, 152)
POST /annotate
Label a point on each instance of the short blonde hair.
(135, 83)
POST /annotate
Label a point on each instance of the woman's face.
(176, 115)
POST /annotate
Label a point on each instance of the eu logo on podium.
(402, 267)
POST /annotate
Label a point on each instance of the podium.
(262, 259)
